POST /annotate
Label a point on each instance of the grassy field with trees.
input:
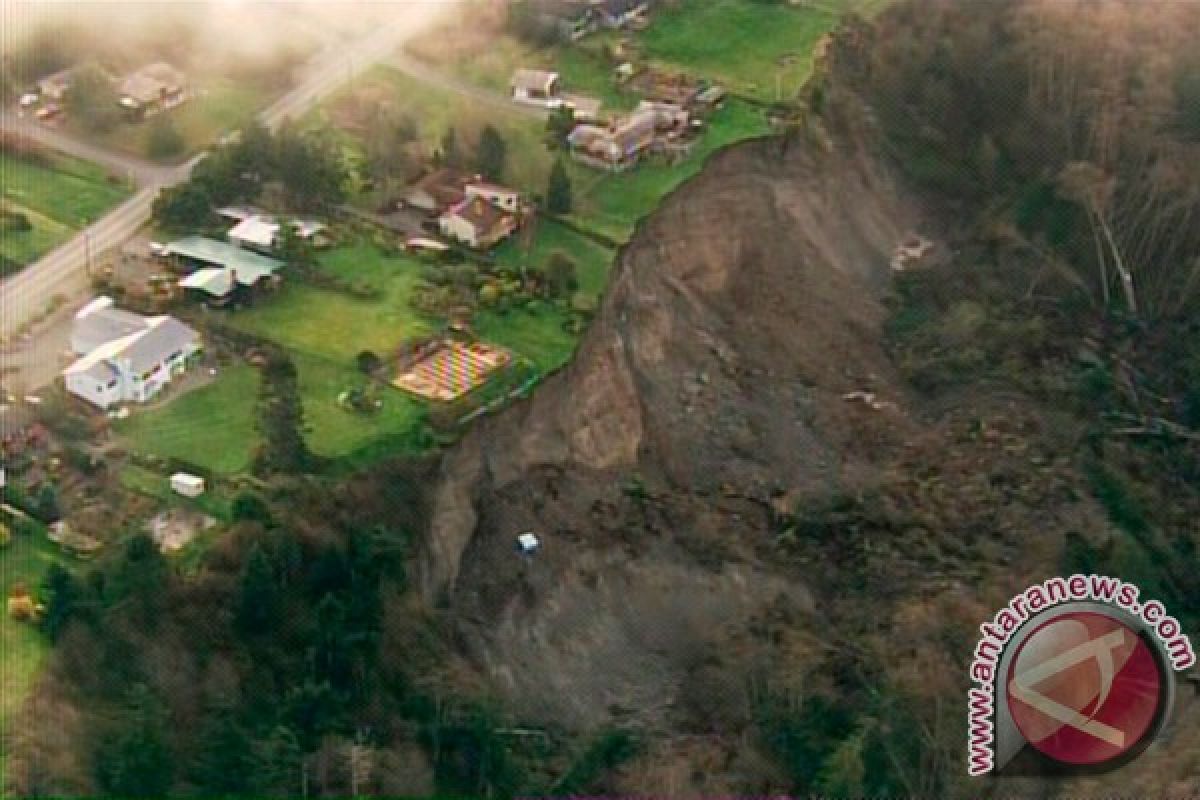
(47, 199)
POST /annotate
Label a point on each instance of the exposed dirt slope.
(709, 386)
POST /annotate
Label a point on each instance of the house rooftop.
(248, 266)
(147, 84)
(533, 79)
(159, 338)
(481, 214)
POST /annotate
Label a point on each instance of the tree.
(249, 507)
(92, 100)
(449, 154)
(293, 248)
(561, 277)
(281, 419)
(48, 509)
(164, 140)
(134, 760)
(224, 762)
(61, 596)
(184, 207)
(559, 124)
(368, 362)
(491, 154)
(558, 190)
(311, 170)
(258, 603)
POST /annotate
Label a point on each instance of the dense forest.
(1057, 143)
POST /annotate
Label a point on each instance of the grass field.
(22, 648)
(536, 333)
(592, 260)
(212, 426)
(217, 108)
(751, 47)
(435, 110)
(59, 198)
(325, 330)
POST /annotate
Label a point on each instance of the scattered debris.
(868, 399)
(528, 543)
(913, 249)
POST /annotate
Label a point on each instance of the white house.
(261, 233)
(536, 87)
(132, 366)
(477, 223)
(499, 196)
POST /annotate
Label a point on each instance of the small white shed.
(187, 484)
(528, 543)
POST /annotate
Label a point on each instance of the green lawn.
(325, 330)
(22, 648)
(434, 110)
(335, 326)
(751, 47)
(612, 204)
(334, 431)
(219, 107)
(213, 426)
(59, 197)
(536, 333)
(592, 260)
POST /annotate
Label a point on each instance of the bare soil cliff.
(709, 389)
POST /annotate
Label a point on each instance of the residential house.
(54, 87)
(617, 146)
(536, 87)
(153, 88)
(219, 271)
(571, 20)
(622, 143)
(583, 108)
(619, 14)
(477, 223)
(437, 191)
(500, 196)
(134, 365)
(261, 233)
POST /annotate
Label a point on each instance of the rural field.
(325, 330)
(434, 110)
(22, 648)
(212, 426)
(58, 195)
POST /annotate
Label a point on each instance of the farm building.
(153, 88)
(260, 232)
(536, 87)
(132, 366)
(55, 86)
(218, 270)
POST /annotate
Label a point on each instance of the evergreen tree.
(249, 507)
(164, 141)
(449, 154)
(558, 190)
(61, 595)
(492, 154)
(134, 760)
(258, 602)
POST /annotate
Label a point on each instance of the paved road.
(64, 270)
(433, 77)
(140, 172)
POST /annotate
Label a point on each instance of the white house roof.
(99, 322)
(255, 230)
(534, 80)
(261, 230)
(248, 267)
(217, 281)
(161, 338)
